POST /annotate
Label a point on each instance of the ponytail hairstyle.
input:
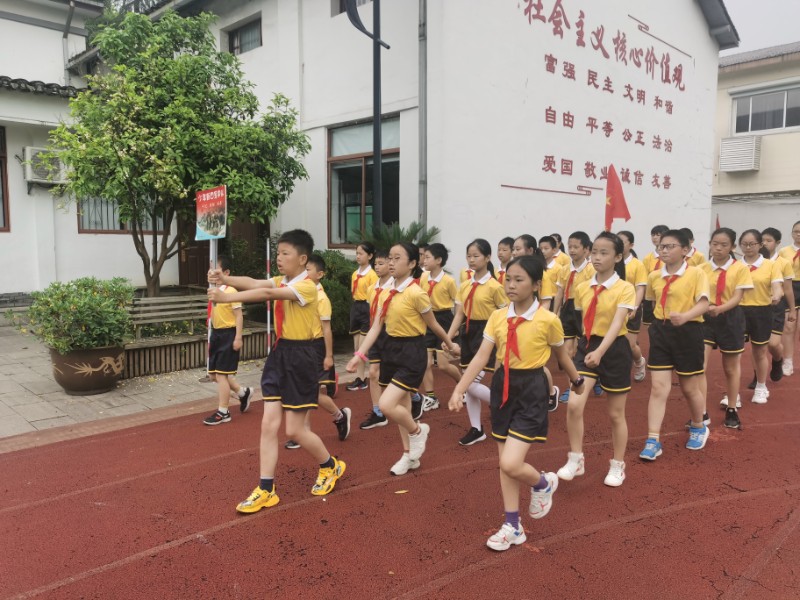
(482, 246)
(438, 250)
(529, 242)
(628, 235)
(532, 265)
(369, 248)
(559, 243)
(619, 248)
(412, 250)
(729, 233)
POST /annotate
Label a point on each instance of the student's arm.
(240, 283)
(433, 325)
(545, 303)
(558, 299)
(565, 362)
(593, 359)
(237, 341)
(327, 334)
(476, 365)
(788, 292)
(640, 289)
(715, 311)
(259, 294)
(777, 292)
(700, 308)
(458, 319)
(369, 339)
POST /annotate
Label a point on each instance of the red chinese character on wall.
(668, 106)
(579, 31)
(639, 138)
(597, 40)
(566, 166)
(557, 16)
(625, 175)
(550, 115)
(657, 142)
(533, 10)
(627, 135)
(667, 182)
(603, 173)
(588, 170)
(607, 128)
(650, 62)
(550, 63)
(591, 123)
(665, 69)
(608, 86)
(569, 71)
(628, 92)
(658, 102)
(549, 165)
(640, 96)
(621, 47)
(655, 182)
(677, 77)
(592, 79)
(636, 56)
(667, 145)
(637, 177)
(568, 119)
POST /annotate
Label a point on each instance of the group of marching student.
(587, 306)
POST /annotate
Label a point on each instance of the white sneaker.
(506, 537)
(573, 468)
(760, 395)
(640, 370)
(429, 403)
(724, 402)
(417, 442)
(788, 368)
(542, 500)
(404, 465)
(616, 473)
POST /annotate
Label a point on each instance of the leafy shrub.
(81, 314)
(341, 299)
(246, 261)
(385, 236)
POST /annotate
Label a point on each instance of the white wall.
(489, 90)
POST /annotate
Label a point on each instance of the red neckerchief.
(512, 345)
(663, 300)
(588, 318)
(470, 301)
(721, 284)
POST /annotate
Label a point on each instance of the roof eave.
(720, 25)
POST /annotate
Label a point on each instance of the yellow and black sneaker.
(257, 500)
(327, 478)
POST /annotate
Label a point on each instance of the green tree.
(168, 116)
(385, 236)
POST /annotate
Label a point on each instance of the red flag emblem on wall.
(717, 220)
(616, 208)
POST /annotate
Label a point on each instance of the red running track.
(148, 512)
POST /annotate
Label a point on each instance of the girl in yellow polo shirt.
(792, 254)
(523, 336)
(477, 299)
(724, 323)
(781, 314)
(636, 275)
(604, 354)
(679, 294)
(404, 310)
(652, 262)
(757, 304)
(362, 279)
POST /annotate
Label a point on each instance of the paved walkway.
(31, 400)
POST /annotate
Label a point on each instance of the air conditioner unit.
(42, 167)
(741, 153)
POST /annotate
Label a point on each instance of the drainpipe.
(423, 112)
(64, 45)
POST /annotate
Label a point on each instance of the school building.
(499, 118)
(756, 179)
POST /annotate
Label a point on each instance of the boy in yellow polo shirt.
(290, 381)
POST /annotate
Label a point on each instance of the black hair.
(583, 238)
(755, 233)
(412, 250)
(629, 235)
(726, 231)
(224, 262)
(380, 253)
(423, 247)
(438, 250)
(506, 241)
(299, 239)
(532, 265)
(688, 232)
(619, 248)
(773, 233)
(661, 230)
(369, 248)
(549, 240)
(557, 238)
(529, 241)
(678, 235)
(485, 249)
(318, 262)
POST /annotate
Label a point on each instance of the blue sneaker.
(598, 391)
(697, 438)
(564, 397)
(652, 449)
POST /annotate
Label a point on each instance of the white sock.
(224, 411)
(479, 391)
(788, 361)
(338, 416)
(474, 411)
(242, 391)
(761, 386)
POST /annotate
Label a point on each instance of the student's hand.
(352, 365)
(776, 299)
(792, 317)
(455, 350)
(237, 343)
(456, 402)
(215, 276)
(216, 295)
(327, 363)
(593, 359)
(679, 319)
(579, 389)
(713, 311)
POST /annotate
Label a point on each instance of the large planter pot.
(87, 372)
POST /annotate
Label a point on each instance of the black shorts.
(570, 320)
(796, 290)
(758, 323)
(726, 331)
(635, 322)
(404, 362)
(648, 306)
(359, 317)
(524, 415)
(443, 318)
(222, 358)
(326, 376)
(679, 348)
(291, 374)
(375, 351)
(470, 341)
(779, 316)
(614, 370)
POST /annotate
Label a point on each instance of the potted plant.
(84, 322)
